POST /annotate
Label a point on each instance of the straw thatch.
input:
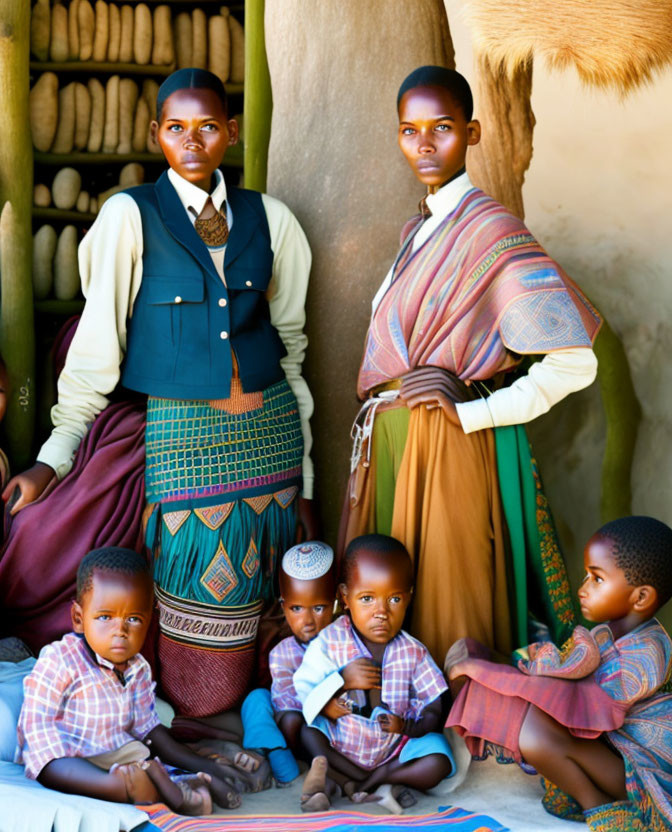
(611, 43)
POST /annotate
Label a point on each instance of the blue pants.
(260, 729)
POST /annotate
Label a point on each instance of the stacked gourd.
(106, 32)
(55, 255)
(115, 117)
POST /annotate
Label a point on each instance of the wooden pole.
(623, 413)
(17, 336)
(258, 98)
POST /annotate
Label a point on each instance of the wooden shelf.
(103, 66)
(59, 307)
(233, 158)
(106, 68)
(60, 214)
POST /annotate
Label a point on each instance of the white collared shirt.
(110, 267)
(549, 381)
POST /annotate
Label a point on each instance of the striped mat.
(447, 817)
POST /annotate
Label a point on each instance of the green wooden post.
(623, 414)
(258, 98)
(17, 336)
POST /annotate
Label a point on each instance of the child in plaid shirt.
(371, 693)
(272, 720)
(89, 725)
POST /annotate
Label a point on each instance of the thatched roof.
(612, 43)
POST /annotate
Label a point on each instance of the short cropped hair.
(642, 548)
(383, 548)
(190, 78)
(438, 76)
(113, 559)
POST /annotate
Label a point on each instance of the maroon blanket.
(100, 503)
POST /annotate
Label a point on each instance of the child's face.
(194, 133)
(605, 594)
(434, 134)
(308, 606)
(114, 615)
(377, 595)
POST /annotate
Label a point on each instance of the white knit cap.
(307, 561)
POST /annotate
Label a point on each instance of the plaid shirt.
(75, 707)
(283, 660)
(411, 680)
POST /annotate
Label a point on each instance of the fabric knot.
(211, 224)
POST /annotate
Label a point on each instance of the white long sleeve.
(558, 374)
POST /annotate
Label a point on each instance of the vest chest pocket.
(239, 278)
(169, 305)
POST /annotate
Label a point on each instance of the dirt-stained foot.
(170, 791)
(314, 793)
(224, 794)
(317, 802)
(196, 799)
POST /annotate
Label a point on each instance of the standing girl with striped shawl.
(441, 460)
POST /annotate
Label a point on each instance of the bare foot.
(223, 794)
(248, 760)
(196, 799)
(317, 802)
(314, 793)
(364, 797)
(170, 792)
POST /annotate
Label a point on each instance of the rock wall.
(334, 160)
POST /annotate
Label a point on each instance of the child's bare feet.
(314, 794)
(140, 790)
(223, 794)
(245, 760)
(188, 795)
(196, 799)
(248, 760)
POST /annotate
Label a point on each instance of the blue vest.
(185, 321)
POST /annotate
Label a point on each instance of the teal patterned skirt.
(222, 482)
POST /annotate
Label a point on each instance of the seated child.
(370, 692)
(272, 720)
(89, 725)
(592, 718)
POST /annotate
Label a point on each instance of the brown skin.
(308, 607)
(114, 616)
(589, 770)
(433, 136)
(377, 595)
(194, 134)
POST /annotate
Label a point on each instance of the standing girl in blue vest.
(195, 297)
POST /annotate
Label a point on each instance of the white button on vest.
(222, 301)
(248, 282)
(178, 299)
(223, 335)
